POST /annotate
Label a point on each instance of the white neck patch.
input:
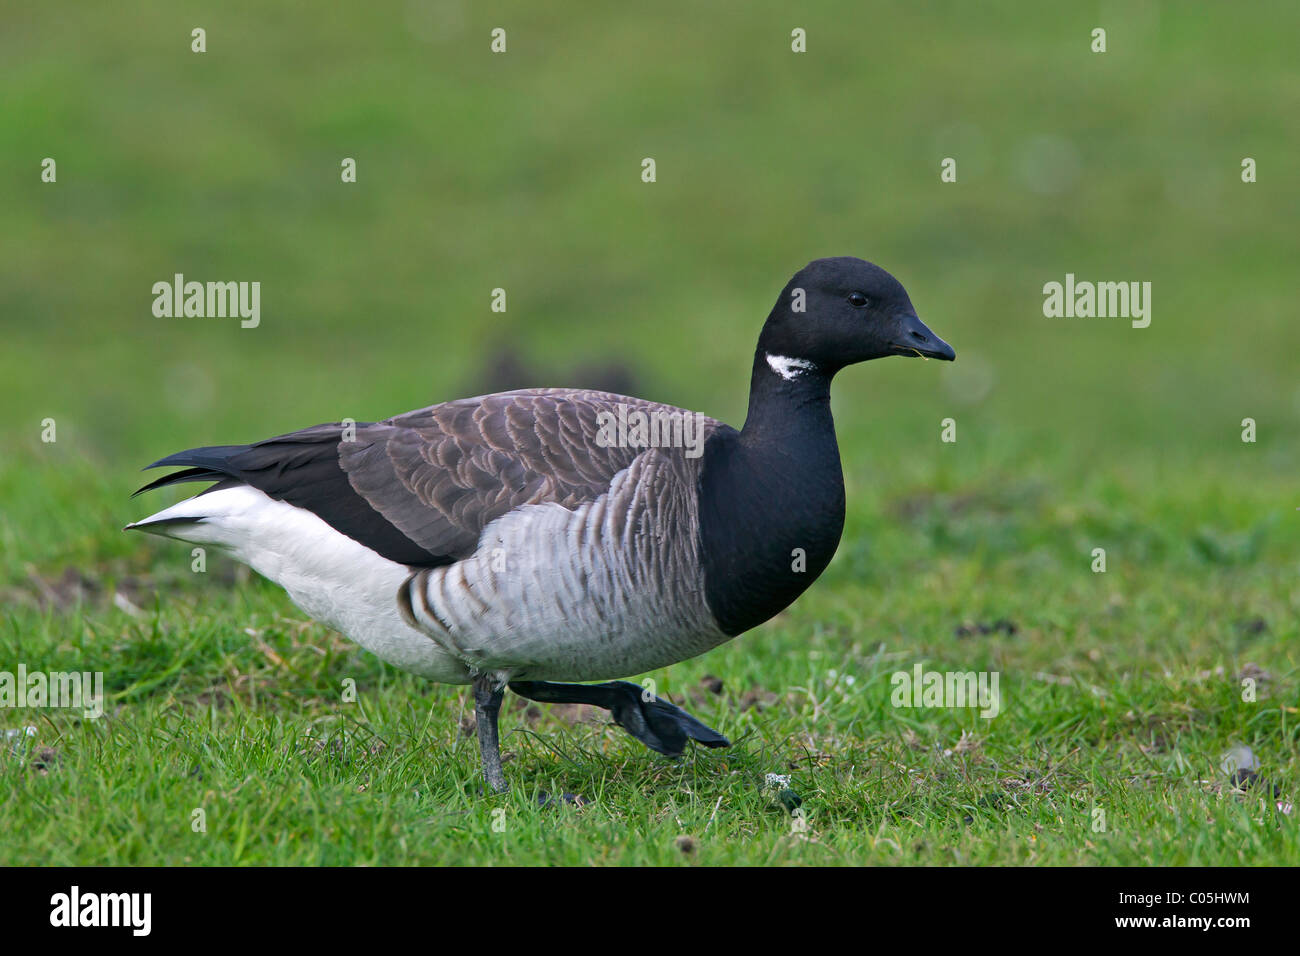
(788, 368)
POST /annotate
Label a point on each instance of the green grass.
(1120, 691)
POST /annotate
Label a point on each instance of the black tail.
(206, 464)
(302, 469)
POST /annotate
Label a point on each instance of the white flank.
(338, 581)
(589, 593)
(592, 593)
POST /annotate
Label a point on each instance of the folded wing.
(420, 488)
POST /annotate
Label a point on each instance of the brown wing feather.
(441, 474)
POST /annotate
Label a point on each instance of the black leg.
(487, 706)
(658, 724)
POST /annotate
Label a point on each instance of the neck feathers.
(772, 496)
(787, 395)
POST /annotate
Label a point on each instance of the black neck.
(785, 408)
(771, 498)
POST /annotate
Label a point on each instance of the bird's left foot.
(661, 726)
(546, 800)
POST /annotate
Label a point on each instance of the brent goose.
(522, 538)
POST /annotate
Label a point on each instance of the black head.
(836, 312)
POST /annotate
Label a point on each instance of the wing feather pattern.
(420, 488)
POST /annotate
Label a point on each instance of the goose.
(539, 540)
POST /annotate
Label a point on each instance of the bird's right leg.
(487, 708)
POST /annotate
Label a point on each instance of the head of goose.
(840, 311)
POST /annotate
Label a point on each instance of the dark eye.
(858, 300)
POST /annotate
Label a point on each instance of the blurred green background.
(523, 171)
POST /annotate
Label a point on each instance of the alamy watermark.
(1084, 300)
(83, 690)
(950, 689)
(129, 910)
(631, 427)
(213, 300)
